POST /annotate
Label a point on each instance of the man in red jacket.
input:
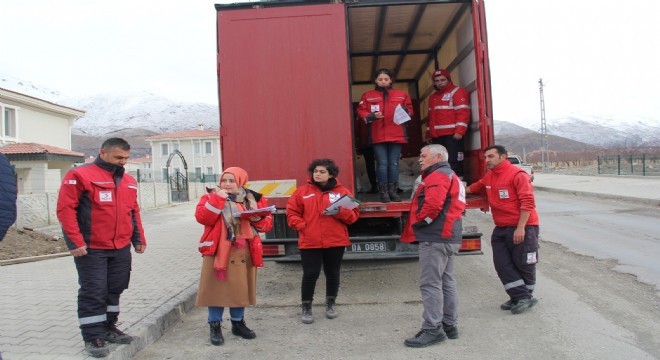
(435, 222)
(97, 207)
(449, 118)
(515, 237)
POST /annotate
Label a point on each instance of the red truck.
(290, 74)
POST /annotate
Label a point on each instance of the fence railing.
(629, 164)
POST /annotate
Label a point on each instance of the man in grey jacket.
(435, 222)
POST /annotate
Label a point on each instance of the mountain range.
(136, 115)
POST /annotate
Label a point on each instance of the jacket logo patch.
(504, 194)
(531, 258)
(334, 197)
(70, 182)
(105, 196)
(375, 108)
(446, 97)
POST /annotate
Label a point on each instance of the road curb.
(151, 327)
(32, 258)
(629, 199)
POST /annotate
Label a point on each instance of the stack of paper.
(256, 212)
(345, 202)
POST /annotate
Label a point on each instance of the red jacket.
(208, 213)
(436, 209)
(449, 112)
(97, 212)
(509, 190)
(304, 213)
(384, 130)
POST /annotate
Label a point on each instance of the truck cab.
(290, 75)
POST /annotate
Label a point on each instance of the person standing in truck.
(231, 250)
(515, 237)
(100, 216)
(449, 117)
(322, 235)
(435, 221)
(377, 108)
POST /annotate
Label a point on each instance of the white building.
(200, 148)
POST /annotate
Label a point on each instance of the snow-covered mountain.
(607, 132)
(109, 112)
(115, 111)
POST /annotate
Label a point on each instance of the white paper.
(271, 208)
(345, 202)
(400, 115)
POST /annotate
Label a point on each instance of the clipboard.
(345, 202)
(262, 212)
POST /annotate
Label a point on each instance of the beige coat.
(240, 287)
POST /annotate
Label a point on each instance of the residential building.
(35, 134)
(199, 147)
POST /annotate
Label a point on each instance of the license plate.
(369, 247)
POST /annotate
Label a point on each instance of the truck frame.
(290, 74)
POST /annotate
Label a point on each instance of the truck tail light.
(471, 244)
(273, 250)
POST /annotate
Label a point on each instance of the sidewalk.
(637, 189)
(38, 317)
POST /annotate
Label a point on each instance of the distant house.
(200, 149)
(143, 167)
(35, 135)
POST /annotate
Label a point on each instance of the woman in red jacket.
(377, 108)
(322, 236)
(231, 250)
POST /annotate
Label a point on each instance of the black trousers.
(370, 163)
(312, 260)
(102, 275)
(455, 149)
(516, 264)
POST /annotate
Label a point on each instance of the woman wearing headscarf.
(322, 235)
(377, 109)
(231, 250)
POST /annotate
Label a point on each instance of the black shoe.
(426, 337)
(373, 190)
(507, 305)
(216, 333)
(239, 328)
(307, 317)
(451, 331)
(116, 336)
(330, 311)
(97, 348)
(522, 305)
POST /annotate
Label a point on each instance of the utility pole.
(544, 131)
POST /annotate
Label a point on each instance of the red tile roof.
(34, 148)
(144, 159)
(186, 134)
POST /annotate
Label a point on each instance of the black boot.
(216, 333)
(239, 328)
(382, 191)
(307, 317)
(330, 312)
(391, 189)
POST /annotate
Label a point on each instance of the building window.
(164, 149)
(9, 123)
(209, 170)
(198, 173)
(208, 147)
(175, 146)
(198, 148)
(165, 179)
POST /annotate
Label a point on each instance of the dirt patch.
(26, 243)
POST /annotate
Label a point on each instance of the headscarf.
(240, 175)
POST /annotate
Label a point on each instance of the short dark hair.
(330, 165)
(116, 142)
(385, 71)
(500, 149)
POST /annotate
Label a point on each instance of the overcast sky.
(598, 58)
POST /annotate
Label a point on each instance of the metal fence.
(629, 164)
